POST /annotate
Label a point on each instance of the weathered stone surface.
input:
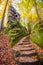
(28, 54)
(28, 59)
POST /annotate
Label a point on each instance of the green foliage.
(37, 34)
(40, 3)
(25, 4)
(12, 25)
(15, 35)
(15, 32)
(29, 27)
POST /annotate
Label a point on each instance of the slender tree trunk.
(3, 16)
(35, 4)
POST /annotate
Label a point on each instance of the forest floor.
(24, 52)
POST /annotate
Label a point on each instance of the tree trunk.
(35, 4)
(3, 16)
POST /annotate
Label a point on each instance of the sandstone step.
(23, 49)
(24, 46)
(27, 49)
(27, 60)
(28, 53)
(24, 43)
(27, 38)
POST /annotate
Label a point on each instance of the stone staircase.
(28, 55)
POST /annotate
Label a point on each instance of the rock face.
(13, 15)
